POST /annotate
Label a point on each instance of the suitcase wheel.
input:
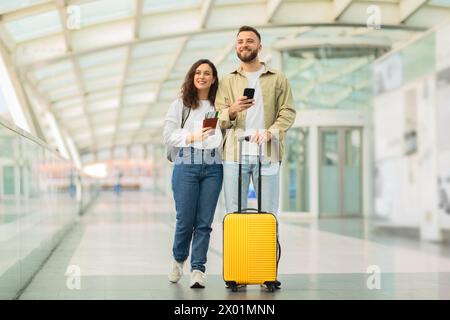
(271, 286)
(231, 285)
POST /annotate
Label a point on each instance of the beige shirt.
(279, 111)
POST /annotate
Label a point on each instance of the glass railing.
(40, 199)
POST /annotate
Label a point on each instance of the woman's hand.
(201, 135)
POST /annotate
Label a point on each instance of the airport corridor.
(121, 249)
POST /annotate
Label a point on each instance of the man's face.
(247, 46)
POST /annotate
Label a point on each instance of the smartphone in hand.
(249, 93)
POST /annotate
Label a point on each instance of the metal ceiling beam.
(31, 10)
(170, 67)
(37, 8)
(31, 85)
(138, 18)
(47, 107)
(340, 6)
(137, 25)
(224, 54)
(272, 9)
(112, 88)
(5, 37)
(315, 43)
(410, 7)
(205, 12)
(121, 94)
(62, 11)
(201, 32)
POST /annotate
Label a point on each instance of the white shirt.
(254, 119)
(174, 136)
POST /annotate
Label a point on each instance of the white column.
(276, 62)
(429, 223)
(367, 170)
(314, 170)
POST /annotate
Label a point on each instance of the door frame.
(341, 130)
(315, 118)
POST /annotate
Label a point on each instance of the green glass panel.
(330, 82)
(9, 183)
(422, 50)
(352, 172)
(329, 174)
(49, 206)
(296, 171)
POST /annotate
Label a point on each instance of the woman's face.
(203, 78)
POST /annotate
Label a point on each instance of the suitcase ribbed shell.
(249, 252)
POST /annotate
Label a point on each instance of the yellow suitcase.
(250, 244)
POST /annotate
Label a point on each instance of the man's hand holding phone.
(242, 103)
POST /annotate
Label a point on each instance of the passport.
(211, 122)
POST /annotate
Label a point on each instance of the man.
(265, 118)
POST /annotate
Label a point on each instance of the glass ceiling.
(108, 69)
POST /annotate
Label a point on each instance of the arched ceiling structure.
(108, 69)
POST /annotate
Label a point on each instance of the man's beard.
(248, 58)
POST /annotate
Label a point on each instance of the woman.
(197, 174)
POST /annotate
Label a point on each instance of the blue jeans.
(196, 188)
(270, 185)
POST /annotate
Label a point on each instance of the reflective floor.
(122, 250)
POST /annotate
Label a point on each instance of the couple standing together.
(204, 157)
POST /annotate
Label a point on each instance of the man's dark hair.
(248, 28)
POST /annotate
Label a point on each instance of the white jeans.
(270, 184)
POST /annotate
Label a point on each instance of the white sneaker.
(198, 279)
(177, 272)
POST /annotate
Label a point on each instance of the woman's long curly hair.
(189, 92)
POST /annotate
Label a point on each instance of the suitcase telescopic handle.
(241, 140)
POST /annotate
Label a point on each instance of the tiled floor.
(122, 250)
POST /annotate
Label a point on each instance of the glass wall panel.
(340, 184)
(352, 172)
(329, 174)
(330, 81)
(9, 181)
(424, 51)
(296, 171)
(36, 207)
